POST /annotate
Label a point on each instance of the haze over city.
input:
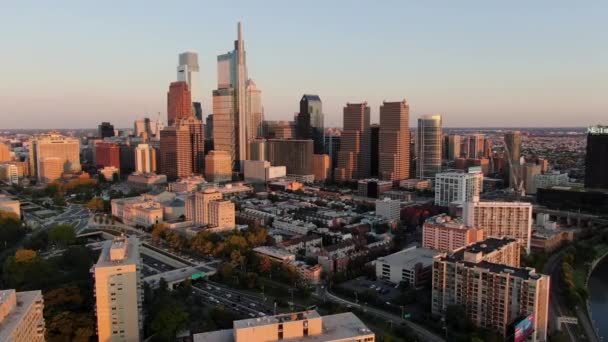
(476, 63)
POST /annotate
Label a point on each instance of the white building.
(21, 317)
(457, 187)
(413, 265)
(389, 209)
(550, 179)
(145, 159)
(276, 254)
(501, 219)
(260, 171)
(118, 291)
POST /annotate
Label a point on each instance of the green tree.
(168, 321)
(95, 204)
(11, 229)
(62, 235)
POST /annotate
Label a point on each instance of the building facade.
(107, 154)
(457, 187)
(175, 152)
(145, 159)
(179, 102)
(218, 166)
(353, 157)
(428, 144)
(447, 234)
(21, 318)
(188, 71)
(310, 121)
(295, 155)
(394, 141)
(596, 159)
(222, 214)
(54, 145)
(388, 209)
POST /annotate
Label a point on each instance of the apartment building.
(21, 317)
(447, 234)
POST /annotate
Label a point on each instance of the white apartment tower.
(118, 291)
(21, 317)
(457, 187)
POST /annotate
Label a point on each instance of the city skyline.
(476, 64)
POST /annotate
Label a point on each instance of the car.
(252, 305)
(261, 314)
(251, 314)
(372, 286)
(388, 303)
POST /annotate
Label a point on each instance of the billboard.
(524, 328)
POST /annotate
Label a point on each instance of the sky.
(73, 64)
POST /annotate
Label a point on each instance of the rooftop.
(129, 245)
(24, 300)
(486, 246)
(409, 257)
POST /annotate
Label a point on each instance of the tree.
(168, 321)
(265, 265)
(10, 229)
(62, 235)
(95, 204)
(158, 231)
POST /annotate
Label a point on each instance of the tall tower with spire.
(231, 114)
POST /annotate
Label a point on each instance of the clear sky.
(479, 63)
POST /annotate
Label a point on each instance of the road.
(558, 308)
(242, 304)
(420, 331)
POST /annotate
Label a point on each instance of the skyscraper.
(373, 150)
(143, 127)
(179, 104)
(255, 110)
(428, 142)
(296, 155)
(196, 150)
(596, 159)
(107, 154)
(54, 145)
(105, 130)
(5, 152)
(187, 71)
(175, 152)
(394, 143)
(452, 146)
(218, 167)
(332, 147)
(310, 121)
(145, 159)
(353, 158)
(473, 146)
(230, 114)
(118, 291)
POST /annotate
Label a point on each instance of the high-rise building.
(5, 153)
(596, 159)
(447, 234)
(255, 111)
(310, 121)
(296, 155)
(187, 71)
(201, 204)
(21, 318)
(495, 296)
(143, 127)
(452, 146)
(529, 171)
(50, 169)
(105, 130)
(457, 187)
(261, 171)
(179, 104)
(230, 103)
(145, 159)
(513, 145)
(107, 154)
(498, 219)
(218, 166)
(472, 146)
(332, 147)
(321, 164)
(394, 142)
(175, 152)
(196, 144)
(257, 149)
(299, 326)
(373, 150)
(222, 214)
(118, 291)
(353, 158)
(209, 127)
(54, 145)
(127, 157)
(428, 142)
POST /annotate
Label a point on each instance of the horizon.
(478, 65)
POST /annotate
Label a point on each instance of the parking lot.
(385, 290)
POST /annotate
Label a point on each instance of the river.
(598, 296)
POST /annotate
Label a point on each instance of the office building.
(179, 104)
(353, 157)
(175, 152)
(495, 296)
(218, 166)
(452, 146)
(5, 153)
(412, 265)
(498, 219)
(107, 154)
(209, 128)
(596, 159)
(145, 159)
(457, 187)
(373, 150)
(512, 147)
(105, 130)
(9, 173)
(143, 128)
(261, 171)
(187, 71)
(373, 188)
(21, 318)
(257, 149)
(550, 179)
(306, 326)
(310, 121)
(230, 103)
(222, 214)
(394, 142)
(54, 145)
(332, 147)
(255, 111)
(388, 209)
(447, 234)
(529, 172)
(321, 164)
(428, 144)
(296, 155)
(50, 169)
(127, 157)
(118, 291)
(146, 181)
(201, 204)
(196, 146)
(473, 146)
